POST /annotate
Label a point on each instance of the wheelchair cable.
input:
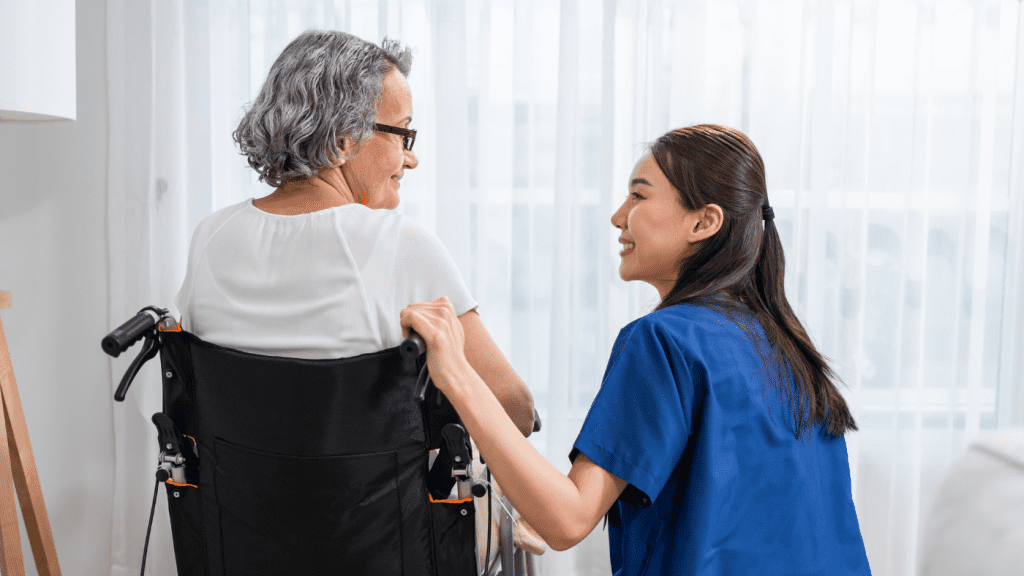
(152, 510)
(487, 555)
(512, 517)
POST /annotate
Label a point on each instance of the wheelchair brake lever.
(422, 383)
(454, 463)
(149, 349)
(167, 433)
(451, 461)
(174, 457)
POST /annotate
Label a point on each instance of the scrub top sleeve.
(641, 419)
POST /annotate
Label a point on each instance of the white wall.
(53, 258)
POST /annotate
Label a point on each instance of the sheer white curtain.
(892, 132)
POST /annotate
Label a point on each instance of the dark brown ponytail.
(710, 164)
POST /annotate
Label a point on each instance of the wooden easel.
(18, 472)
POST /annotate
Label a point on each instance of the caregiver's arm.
(492, 366)
(563, 509)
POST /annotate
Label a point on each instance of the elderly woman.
(319, 269)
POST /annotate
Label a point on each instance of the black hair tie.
(767, 213)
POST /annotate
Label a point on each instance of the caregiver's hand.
(562, 509)
(437, 324)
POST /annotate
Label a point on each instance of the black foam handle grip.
(128, 333)
(412, 347)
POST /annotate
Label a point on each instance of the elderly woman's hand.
(441, 330)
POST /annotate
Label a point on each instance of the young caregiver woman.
(715, 443)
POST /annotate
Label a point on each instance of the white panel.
(37, 61)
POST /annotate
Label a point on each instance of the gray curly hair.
(326, 85)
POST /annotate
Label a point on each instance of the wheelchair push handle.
(128, 334)
(142, 325)
(413, 347)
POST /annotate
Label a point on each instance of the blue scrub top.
(718, 481)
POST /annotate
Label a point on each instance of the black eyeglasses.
(408, 136)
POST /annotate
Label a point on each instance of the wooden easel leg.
(30, 492)
(18, 466)
(11, 561)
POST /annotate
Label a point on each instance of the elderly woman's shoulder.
(380, 222)
(412, 231)
(217, 218)
(228, 211)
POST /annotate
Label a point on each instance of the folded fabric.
(976, 523)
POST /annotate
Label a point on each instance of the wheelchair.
(353, 465)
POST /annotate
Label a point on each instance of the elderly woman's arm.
(492, 367)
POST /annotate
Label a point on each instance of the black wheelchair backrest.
(295, 466)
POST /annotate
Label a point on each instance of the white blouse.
(328, 284)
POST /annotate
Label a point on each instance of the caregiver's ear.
(707, 222)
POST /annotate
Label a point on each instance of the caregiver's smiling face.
(653, 228)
